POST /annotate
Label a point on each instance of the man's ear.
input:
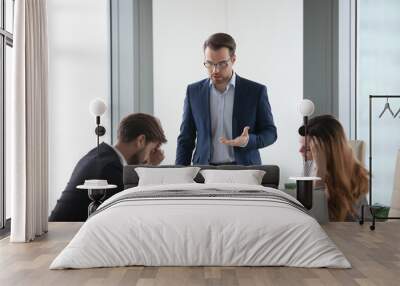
(233, 59)
(141, 141)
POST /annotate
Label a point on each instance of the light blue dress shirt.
(221, 110)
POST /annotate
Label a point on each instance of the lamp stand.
(305, 123)
(304, 193)
(100, 131)
(304, 186)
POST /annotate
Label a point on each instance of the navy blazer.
(73, 203)
(251, 108)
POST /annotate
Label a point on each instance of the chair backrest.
(358, 147)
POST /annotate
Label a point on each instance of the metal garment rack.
(370, 207)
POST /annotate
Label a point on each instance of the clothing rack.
(369, 206)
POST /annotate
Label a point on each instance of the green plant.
(290, 186)
(381, 211)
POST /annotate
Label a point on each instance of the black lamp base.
(97, 196)
(305, 193)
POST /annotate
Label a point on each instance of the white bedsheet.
(200, 231)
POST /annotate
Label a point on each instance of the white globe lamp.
(97, 108)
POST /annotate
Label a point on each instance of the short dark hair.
(220, 40)
(137, 124)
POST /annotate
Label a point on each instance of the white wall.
(269, 36)
(78, 72)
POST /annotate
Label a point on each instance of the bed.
(201, 224)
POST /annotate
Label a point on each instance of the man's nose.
(215, 68)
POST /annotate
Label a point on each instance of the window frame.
(6, 39)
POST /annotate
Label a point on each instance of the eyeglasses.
(220, 66)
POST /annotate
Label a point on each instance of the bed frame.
(270, 179)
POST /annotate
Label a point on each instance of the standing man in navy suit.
(226, 118)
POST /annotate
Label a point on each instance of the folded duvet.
(203, 225)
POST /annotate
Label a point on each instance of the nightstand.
(96, 195)
(319, 210)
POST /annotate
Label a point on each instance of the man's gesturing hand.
(240, 141)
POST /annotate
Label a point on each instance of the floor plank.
(374, 255)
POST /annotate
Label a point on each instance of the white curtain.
(395, 202)
(28, 163)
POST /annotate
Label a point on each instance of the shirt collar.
(232, 81)
(121, 157)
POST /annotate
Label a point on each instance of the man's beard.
(221, 80)
(137, 158)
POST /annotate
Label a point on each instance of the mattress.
(201, 225)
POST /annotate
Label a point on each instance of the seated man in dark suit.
(139, 139)
(226, 118)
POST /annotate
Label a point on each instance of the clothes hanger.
(387, 107)
(397, 113)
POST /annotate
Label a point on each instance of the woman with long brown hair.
(345, 180)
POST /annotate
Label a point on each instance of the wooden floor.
(374, 255)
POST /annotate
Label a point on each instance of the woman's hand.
(318, 154)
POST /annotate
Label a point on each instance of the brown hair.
(220, 40)
(346, 180)
(137, 124)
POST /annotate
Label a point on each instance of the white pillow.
(248, 177)
(165, 176)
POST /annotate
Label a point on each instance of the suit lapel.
(236, 107)
(206, 91)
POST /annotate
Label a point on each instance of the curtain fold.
(395, 202)
(29, 118)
